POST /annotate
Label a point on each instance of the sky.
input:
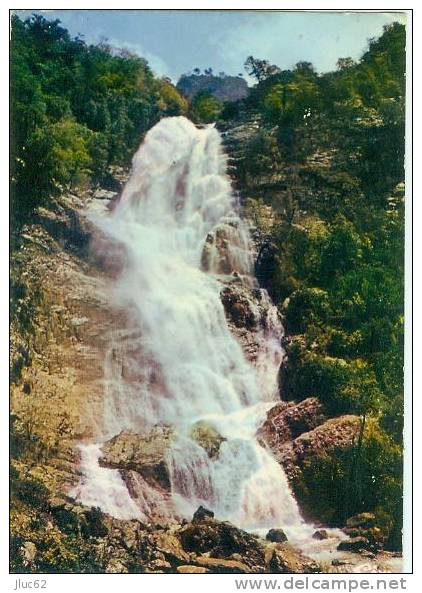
(176, 41)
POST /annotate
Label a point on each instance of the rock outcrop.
(207, 437)
(276, 535)
(286, 421)
(61, 321)
(296, 433)
(335, 433)
(363, 531)
(240, 309)
(144, 454)
(224, 88)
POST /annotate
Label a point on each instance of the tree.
(75, 109)
(205, 108)
(260, 69)
(345, 63)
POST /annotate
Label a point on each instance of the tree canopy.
(76, 109)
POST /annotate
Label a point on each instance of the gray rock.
(145, 454)
(276, 535)
(207, 437)
(354, 544)
(202, 513)
(285, 560)
(320, 534)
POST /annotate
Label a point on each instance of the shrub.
(343, 482)
(305, 307)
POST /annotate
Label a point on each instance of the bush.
(305, 307)
(343, 387)
(344, 482)
(205, 108)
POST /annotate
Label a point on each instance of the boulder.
(145, 454)
(286, 421)
(207, 437)
(159, 566)
(170, 546)
(333, 434)
(374, 535)
(337, 562)
(276, 535)
(320, 534)
(285, 559)
(77, 519)
(239, 307)
(354, 544)
(202, 513)
(220, 539)
(28, 552)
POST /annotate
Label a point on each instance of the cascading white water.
(185, 365)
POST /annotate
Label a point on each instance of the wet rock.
(266, 262)
(207, 437)
(320, 534)
(218, 254)
(145, 454)
(337, 562)
(202, 513)
(354, 544)
(286, 421)
(276, 535)
(239, 308)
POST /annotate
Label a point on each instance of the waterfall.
(177, 361)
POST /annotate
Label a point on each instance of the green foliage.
(305, 307)
(328, 162)
(343, 386)
(344, 482)
(205, 108)
(260, 69)
(76, 109)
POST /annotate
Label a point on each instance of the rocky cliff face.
(225, 88)
(61, 321)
